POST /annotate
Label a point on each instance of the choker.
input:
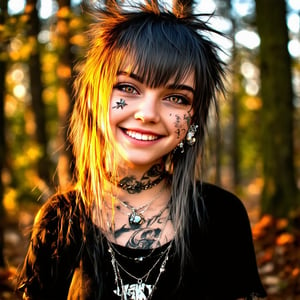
(134, 186)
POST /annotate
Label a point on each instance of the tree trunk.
(280, 195)
(64, 103)
(3, 15)
(36, 86)
(235, 108)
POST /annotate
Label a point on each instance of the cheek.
(117, 109)
(180, 124)
(118, 104)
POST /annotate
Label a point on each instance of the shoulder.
(57, 206)
(225, 243)
(55, 231)
(223, 210)
(217, 199)
(52, 222)
(53, 249)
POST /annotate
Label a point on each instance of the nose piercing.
(139, 116)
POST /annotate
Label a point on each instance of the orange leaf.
(281, 224)
(284, 239)
(295, 272)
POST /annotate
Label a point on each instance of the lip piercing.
(139, 116)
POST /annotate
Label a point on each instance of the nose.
(148, 109)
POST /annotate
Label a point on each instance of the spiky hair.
(159, 44)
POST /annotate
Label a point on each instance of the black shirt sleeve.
(51, 255)
(223, 255)
(228, 252)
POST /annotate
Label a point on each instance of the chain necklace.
(141, 288)
(136, 217)
(156, 244)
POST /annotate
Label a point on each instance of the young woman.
(139, 223)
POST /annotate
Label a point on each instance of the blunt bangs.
(157, 50)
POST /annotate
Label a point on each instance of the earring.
(181, 147)
(190, 136)
(189, 139)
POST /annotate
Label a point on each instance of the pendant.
(139, 259)
(136, 218)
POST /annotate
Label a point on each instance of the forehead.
(155, 71)
(187, 79)
(157, 51)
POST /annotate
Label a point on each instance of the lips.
(141, 136)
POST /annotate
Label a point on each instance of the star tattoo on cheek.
(120, 104)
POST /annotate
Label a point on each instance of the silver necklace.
(141, 286)
(157, 242)
(136, 217)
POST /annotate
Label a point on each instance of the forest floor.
(277, 246)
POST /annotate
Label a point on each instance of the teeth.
(140, 136)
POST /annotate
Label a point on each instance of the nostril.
(139, 116)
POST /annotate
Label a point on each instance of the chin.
(140, 162)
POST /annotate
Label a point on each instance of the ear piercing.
(190, 138)
(181, 147)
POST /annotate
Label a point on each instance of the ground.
(277, 247)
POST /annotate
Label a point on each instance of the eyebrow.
(132, 75)
(170, 86)
(181, 87)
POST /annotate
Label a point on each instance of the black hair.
(157, 45)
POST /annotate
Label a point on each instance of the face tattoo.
(120, 104)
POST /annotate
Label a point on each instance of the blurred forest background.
(254, 149)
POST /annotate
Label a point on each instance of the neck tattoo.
(136, 217)
(133, 186)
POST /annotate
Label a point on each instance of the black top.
(60, 264)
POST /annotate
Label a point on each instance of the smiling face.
(149, 122)
(151, 53)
